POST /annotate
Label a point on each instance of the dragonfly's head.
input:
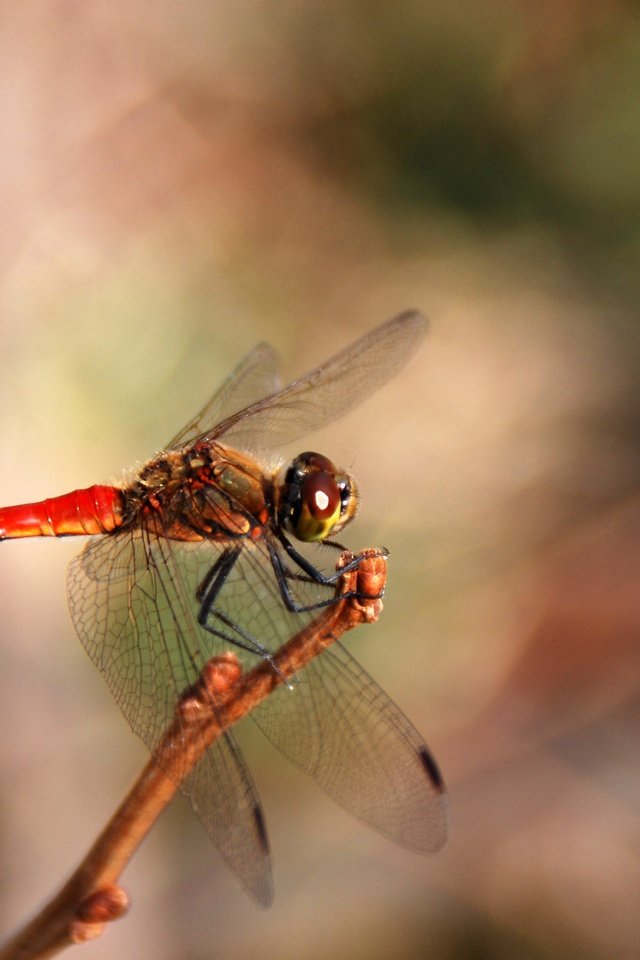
(315, 499)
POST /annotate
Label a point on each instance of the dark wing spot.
(432, 769)
(261, 829)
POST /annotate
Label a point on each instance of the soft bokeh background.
(181, 179)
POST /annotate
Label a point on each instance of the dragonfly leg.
(312, 575)
(207, 594)
(215, 579)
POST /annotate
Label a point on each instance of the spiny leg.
(311, 575)
(207, 594)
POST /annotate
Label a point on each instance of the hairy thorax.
(208, 492)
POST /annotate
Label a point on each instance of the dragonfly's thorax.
(204, 492)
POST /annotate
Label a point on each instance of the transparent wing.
(342, 728)
(328, 392)
(255, 377)
(135, 616)
(335, 722)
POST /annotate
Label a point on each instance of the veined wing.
(342, 728)
(255, 377)
(334, 721)
(135, 614)
(329, 391)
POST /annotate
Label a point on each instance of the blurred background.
(180, 180)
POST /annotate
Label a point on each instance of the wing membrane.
(329, 391)
(342, 728)
(255, 377)
(135, 615)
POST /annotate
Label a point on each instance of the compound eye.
(346, 494)
(320, 506)
(322, 496)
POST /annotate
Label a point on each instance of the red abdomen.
(96, 509)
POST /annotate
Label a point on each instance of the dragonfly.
(205, 549)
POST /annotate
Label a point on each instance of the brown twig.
(221, 696)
